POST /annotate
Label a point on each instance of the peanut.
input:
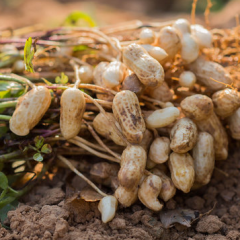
(181, 166)
(126, 110)
(30, 109)
(150, 164)
(85, 73)
(101, 125)
(161, 118)
(234, 124)
(126, 197)
(204, 160)
(183, 135)
(148, 69)
(147, 140)
(159, 150)
(147, 36)
(200, 109)
(205, 70)
(203, 36)
(187, 79)
(98, 73)
(148, 192)
(132, 83)
(156, 52)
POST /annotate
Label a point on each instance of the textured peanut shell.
(204, 158)
(101, 125)
(147, 140)
(226, 102)
(126, 110)
(30, 109)
(126, 197)
(148, 69)
(148, 192)
(234, 124)
(183, 135)
(159, 150)
(133, 162)
(72, 109)
(132, 83)
(182, 170)
(205, 70)
(168, 189)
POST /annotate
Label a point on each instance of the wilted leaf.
(46, 148)
(37, 157)
(90, 195)
(3, 181)
(62, 80)
(76, 16)
(28, 55)
(38, 140)
(181, 216)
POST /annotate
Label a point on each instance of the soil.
(52, 211)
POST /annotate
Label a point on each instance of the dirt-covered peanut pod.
(147, 36)
(127, 111)
(148, 70)
(169, 40)
(226, 102)
(107, 207)
(189, 45)
(168, 189)
(187, 79)
(147, 140)
(162, 93)
(72, 109)
(133, 162)
(101, 125)
(125, 196)
(200, 109)
(85, 73)
(181, 166)
(113, 74)
(183, 135)
(203, 36)
(132, 83)
(29, 111)
(161, 118)
(206, 71)
(204, 158)
(159, 150)
(234, 124)
(156, 52)
(148, 192)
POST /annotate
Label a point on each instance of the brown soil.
(45, 214)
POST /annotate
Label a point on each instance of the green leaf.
(5, 94)
(28, 55)
(3, 181)
(10, 89)
(62, 80)
(39, 140)
(4, 211)
(80, 48)
(37, 157)
(77, 16)
(46, 148)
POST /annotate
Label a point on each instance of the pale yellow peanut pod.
(148, 192)
(226, 102)
(101, 125)
(162, 117)
(156, 52)
(113, 74)
(203, 36)
(205, 70)
(98, 73)
(190, 48)
(181, 166)
(169, 40)
(107, 207)
(126, 197)
(127, 111)
(162, 93)
(29, 111)
(72, 109)
(150, 164)
(200, 109)
(85, 73)
(182, 26)
(168, 189)
(159, 150)
(183, 135)
(147, 36)
(187, 79)
(147, 140)
(132, 83)
(133, 163)
(234, 124)
(204, 158)
(149, 70)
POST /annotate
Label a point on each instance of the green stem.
(8, 104)
(5, 117)
(21, 80)
(5, 157)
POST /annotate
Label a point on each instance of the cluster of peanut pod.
(168, 144)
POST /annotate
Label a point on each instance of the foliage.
(28, 55)
(75, 17)
(62, 80)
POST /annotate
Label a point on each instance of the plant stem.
(5, 117)
(5, 157)
(8, 104)
(21, 80)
